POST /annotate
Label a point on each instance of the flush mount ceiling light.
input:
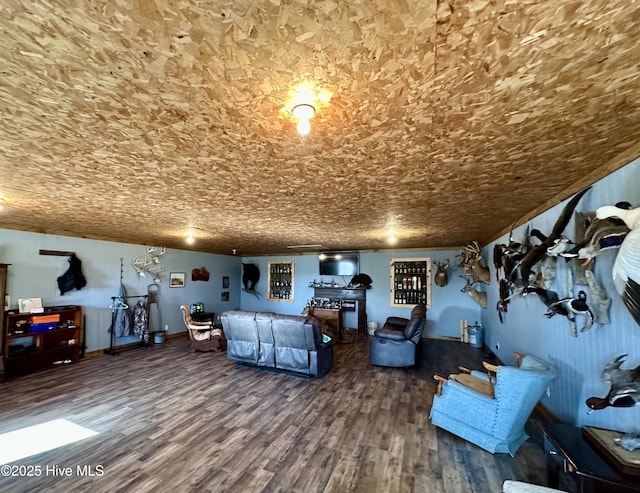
(190, 238)
(303, 102)
(303, 113)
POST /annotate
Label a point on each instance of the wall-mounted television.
(339, 263)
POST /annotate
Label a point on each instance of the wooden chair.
(484, 385)
(203, 336)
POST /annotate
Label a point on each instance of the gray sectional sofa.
(285, 342)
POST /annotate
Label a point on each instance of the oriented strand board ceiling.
(448, 121)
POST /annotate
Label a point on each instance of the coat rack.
(117, 304)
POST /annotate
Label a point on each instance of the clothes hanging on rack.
(140, 321)
(122, 321)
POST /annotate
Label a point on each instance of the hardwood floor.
(171, 420)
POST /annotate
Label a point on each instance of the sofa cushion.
(397, 323)
(240, 325)
(290, 331)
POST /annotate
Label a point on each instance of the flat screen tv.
(339, 263)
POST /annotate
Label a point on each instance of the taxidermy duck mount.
(624, 386)
(538, 252)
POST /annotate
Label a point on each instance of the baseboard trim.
(442, 338)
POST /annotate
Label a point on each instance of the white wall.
(31, 275)
(581, 359)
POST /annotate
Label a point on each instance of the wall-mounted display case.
(410, 281)
(281, 280)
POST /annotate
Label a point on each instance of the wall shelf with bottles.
(410, 281)
(281, 280)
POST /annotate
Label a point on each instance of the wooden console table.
(357, 296)
(568, 451)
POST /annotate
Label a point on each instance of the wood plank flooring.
(171, 420)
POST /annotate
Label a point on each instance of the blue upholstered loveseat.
(495, 424)
(285, 342)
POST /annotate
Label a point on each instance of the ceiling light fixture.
(190, 238)
(391, 239)
(303, 113)
(315, 246)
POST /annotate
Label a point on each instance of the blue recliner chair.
(397, 342)
(495, 420)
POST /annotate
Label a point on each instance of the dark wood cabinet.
(34, 341)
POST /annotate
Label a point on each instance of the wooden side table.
(568, 451)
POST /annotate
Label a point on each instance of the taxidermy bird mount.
(538, 252)
(626, 268)
(568, 307)
(601, 234)
(506, 260)
(625, 386)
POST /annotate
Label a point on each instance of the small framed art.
(177, 279)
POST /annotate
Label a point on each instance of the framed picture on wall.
(177, 279)
(224, 296)
(225, 282)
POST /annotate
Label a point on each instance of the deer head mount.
(480, 297)
(441, 278)
(470, 261)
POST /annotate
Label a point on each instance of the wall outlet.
(549, 392)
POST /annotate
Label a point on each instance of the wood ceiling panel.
(447, 122)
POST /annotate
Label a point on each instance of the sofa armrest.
(200, 325)
(390, 334)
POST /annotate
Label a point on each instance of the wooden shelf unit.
(281, 275)
(410, 281)
(26, 351)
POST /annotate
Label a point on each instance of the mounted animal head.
(479, 297)
(470, 261)
(441, 278)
